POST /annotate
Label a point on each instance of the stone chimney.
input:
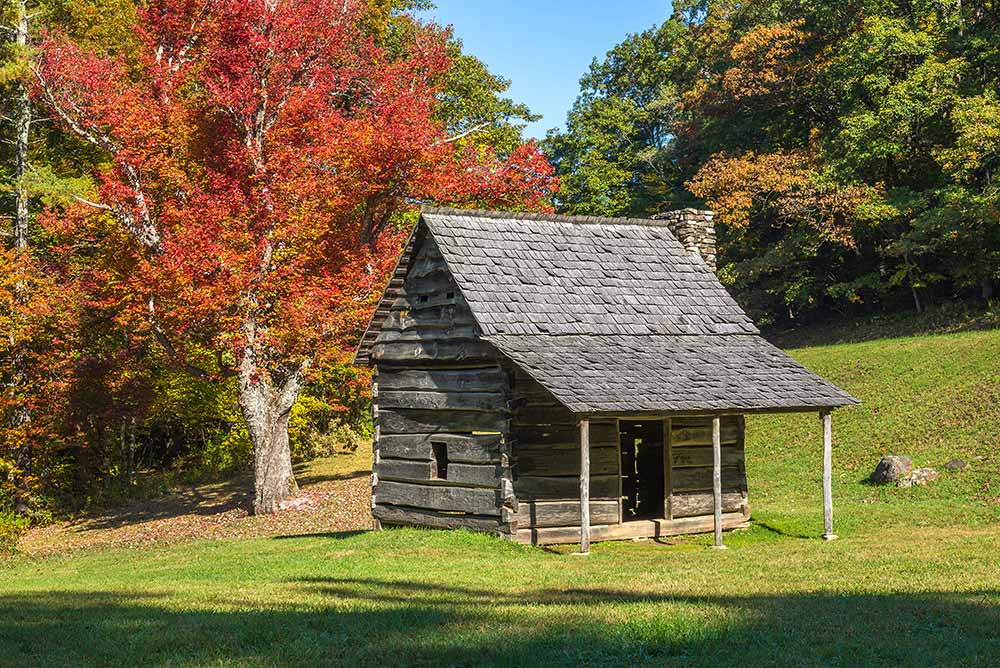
(695, 230)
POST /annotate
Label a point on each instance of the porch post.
(717, 478)
(584, 486)
(828, 476)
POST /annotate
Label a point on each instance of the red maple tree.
(259, 153)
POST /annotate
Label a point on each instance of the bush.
(12, 527)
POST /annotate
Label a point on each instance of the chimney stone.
(695, 229)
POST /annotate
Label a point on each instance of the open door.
(642, 469)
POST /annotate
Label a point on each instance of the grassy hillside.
(914, 580)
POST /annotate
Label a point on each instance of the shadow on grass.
(202, 500)
(336, 535)
(397, 622)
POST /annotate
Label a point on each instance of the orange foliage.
(785, 185)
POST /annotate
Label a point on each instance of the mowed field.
(913, 581)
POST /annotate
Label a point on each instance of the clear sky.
(545, 46)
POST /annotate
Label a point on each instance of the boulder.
(922, 476)
(956, 465)
(892, 469)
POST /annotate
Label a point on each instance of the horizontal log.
(469, 449)
(404, 469)
(628, 530)
(480, 475)
(430, 473)
(476, 501)
(702, 435)
(485, 379)
(431, 518)
(452, 351)
(702, 456)
(600, 433)
(404, 319)
(565, 513)
(698, 479)
(428, 333)
(565, 487)
(689, 504)
(405, 421)
(545, 415)
(494, 402)
(564, 461)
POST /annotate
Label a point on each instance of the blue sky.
(545, 46)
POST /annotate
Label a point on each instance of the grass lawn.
(913, 581)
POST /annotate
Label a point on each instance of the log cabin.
(558, 379)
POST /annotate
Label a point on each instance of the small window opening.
(451, 295)
(423, 298)
(440, 453)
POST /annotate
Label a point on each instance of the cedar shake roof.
(613, 315)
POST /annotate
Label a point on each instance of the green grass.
(913, 581)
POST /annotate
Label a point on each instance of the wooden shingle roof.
(614, 316)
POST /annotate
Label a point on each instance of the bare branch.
(463, 135)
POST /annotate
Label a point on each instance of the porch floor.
(655, 528)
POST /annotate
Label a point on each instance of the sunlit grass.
(913, 581)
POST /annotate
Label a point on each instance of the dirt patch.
(334, 497)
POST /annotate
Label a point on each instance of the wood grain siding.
(440, 387)
(691, 466)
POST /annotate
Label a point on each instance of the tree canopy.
(850, 149)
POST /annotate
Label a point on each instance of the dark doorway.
(642, 469)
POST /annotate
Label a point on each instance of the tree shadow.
(770, 528)
(401, 622)
(203, 500)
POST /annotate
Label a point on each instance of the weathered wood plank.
(453, 351)
(404, 421)
(467, 449)
(481, 475)
(544, 415)
(473, 500)
(700, 478)
(691, 504)
(702, 435)
(444, 317)
(627, 530)
(493, 402)
(585, 486)
(404, 469)
(548, 461)
(430, 518)
(408, 470)
(603, 433)
(564, 513)
(485, 379)
(567, 487)
(702, 456)
(428, 333)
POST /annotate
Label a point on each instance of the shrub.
(12, 527)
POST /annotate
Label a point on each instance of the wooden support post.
(717, 479)
(828, 476)
(584, 486)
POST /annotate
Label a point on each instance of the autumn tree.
(849, 147)
(259, 157)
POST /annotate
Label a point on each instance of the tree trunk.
(22, 129)
(266, 410)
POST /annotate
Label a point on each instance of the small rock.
(923, 476)
(892, 468)
(956, 465)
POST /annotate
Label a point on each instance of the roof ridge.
(544, 217)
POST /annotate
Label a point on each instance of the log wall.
(441, 407)
(690, 451)
(545, 443)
